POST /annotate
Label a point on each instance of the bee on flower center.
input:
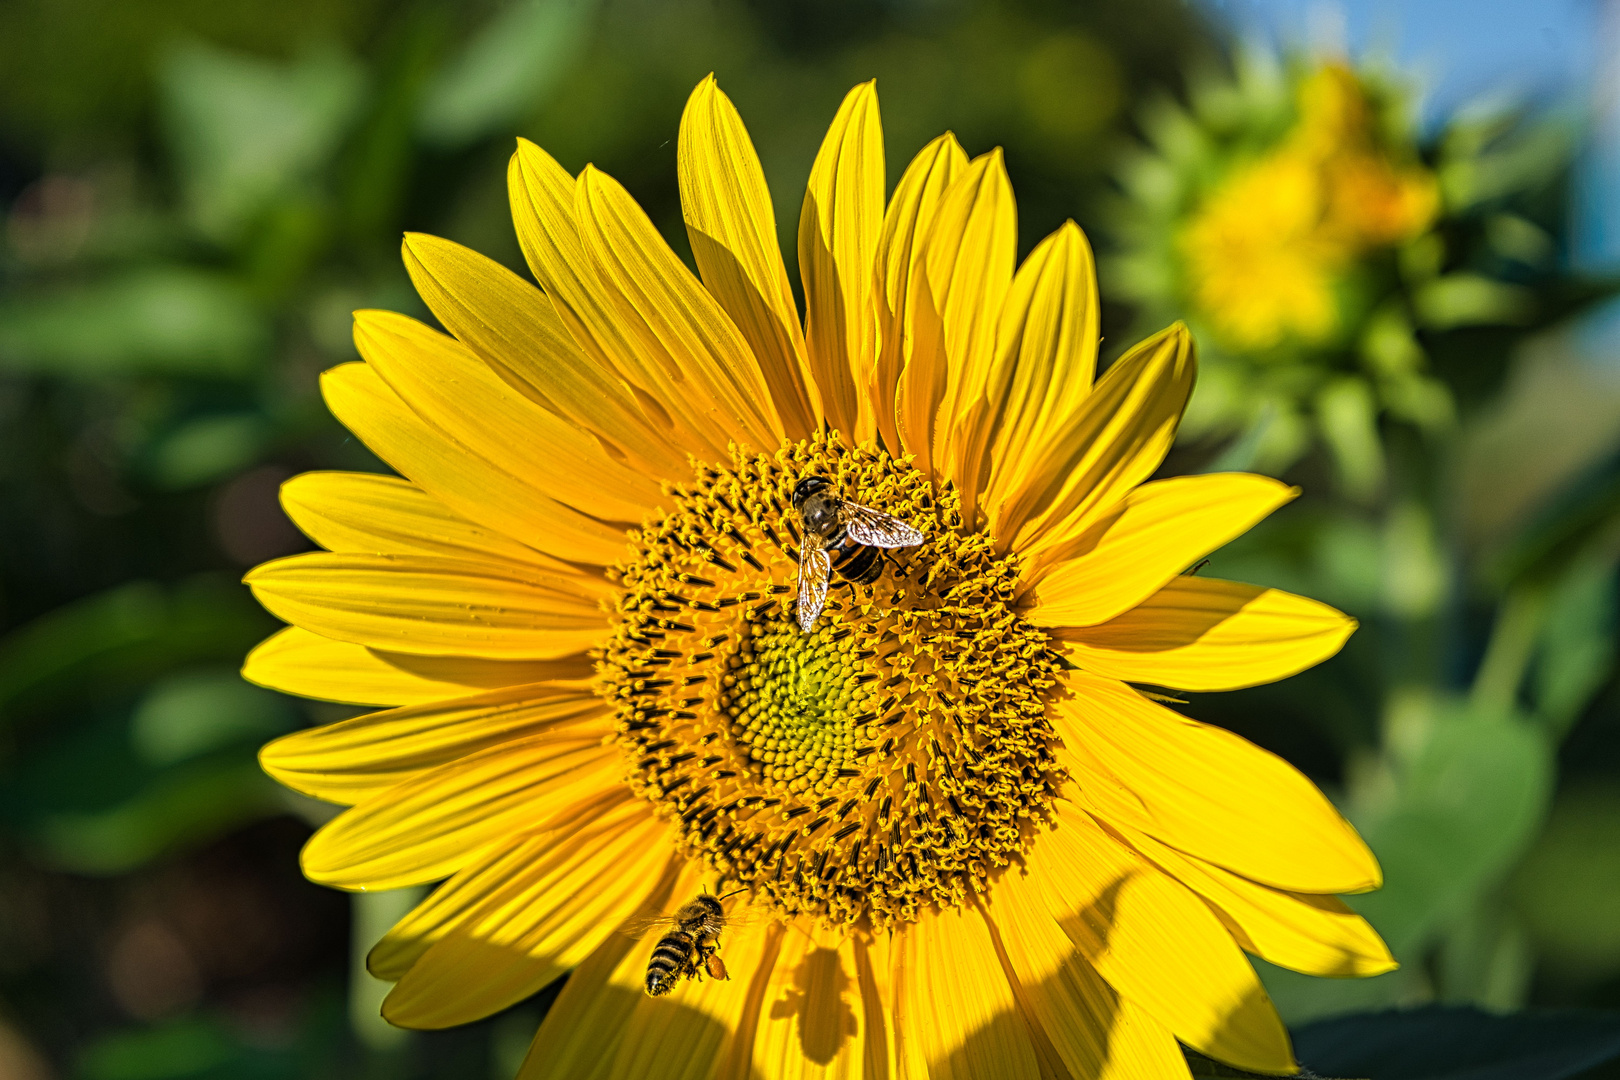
(840, 535)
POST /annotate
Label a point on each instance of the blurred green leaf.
(1485, 959)
(504, 70)
(1416, 572)
(1470, 794)
(1471, 300)
(1348, 416)
(1489, 152)
(194, 712)
(105, 643)
(1520, 239)
(150, 321)
(185, 806)
(1578, 641)
(1388, 344)
(372, 914)
(1452, 1043)
(207, 449)
(1567, 890)
(178, 1049)
(246, 131)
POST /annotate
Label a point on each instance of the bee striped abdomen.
(857, 562)
(671, 961)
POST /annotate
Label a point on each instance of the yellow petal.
(1096, 1033)
(905, 225)
(1091, 459)
(1046, 347)
(1157, 944)
(545, 211)
(1155, 533)
(435, 823)
(952, 303)
(296, 661)
(514, 328)
(472, 486)
(732, 226)
(874, 968)
(372, 514)
(817, 1022)
(542, 197)
(527, 919)
(498, 870)
(1205, 634)
(839, 227)
(970, 253)
(1205, 791)
(352, 760)
(1317, 935)
(955, 1015)
(589, 1015)
(708, 373)
(450, 388)
(434, 607)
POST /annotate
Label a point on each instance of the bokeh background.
(1395, 230)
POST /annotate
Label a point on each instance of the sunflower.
(970, 847)
(1288, 213)
(1266, 252)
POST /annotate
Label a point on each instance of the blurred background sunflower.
(1394, 251)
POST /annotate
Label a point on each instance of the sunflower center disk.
(891, 758)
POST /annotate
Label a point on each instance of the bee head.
(807, 487)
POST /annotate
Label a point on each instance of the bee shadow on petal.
(818, 997)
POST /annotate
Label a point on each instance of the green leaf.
(193, 712)
(1348, 418)
(1469, 796)
(505, 70)
(247, 131)
(1472, 300)
(181, 1048)
(111, 641)
(1578, 641)
(1459, 1043)
(207, 449)
(150, 321)
(186, 806)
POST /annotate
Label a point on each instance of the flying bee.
(691, 947)
(841, 535)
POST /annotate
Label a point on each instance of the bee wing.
(877, 529)
(814, 567)
(745, 916)
(638, 925)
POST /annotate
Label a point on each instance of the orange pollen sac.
(894, 756)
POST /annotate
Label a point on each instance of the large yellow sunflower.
(969, 847)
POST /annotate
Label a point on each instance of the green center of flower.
(793, 699)
(892, 757)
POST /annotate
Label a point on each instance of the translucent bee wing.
(642, 924)
(875, 528)
(814, 567)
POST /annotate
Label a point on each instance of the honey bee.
(691, 947)
(841, 535)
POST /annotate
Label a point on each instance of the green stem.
(1507, 656)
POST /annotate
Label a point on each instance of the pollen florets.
(893, 757)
